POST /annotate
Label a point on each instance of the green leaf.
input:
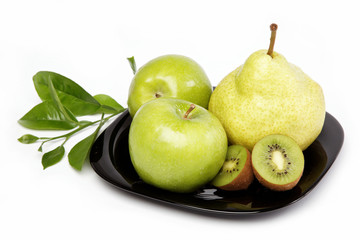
(53, 157)
(28, 138)
(67, 114)
(46, 116)
(108, 104)
(71, 95)
(79, 153)
(132, 64)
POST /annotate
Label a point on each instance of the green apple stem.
(273, 28)
(192, 106)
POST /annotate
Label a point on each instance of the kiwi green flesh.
(278, 160)
(236, 157)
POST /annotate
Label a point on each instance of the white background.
(89, 41)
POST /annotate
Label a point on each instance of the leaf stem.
(68, 135)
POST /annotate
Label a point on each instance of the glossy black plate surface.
(109, 157)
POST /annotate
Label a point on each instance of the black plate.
(109, 157)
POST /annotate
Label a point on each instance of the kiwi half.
(236, 172)
(278, 162)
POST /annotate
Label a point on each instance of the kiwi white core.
(278, 159)
(230, 165)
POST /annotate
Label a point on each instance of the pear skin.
(268, 95)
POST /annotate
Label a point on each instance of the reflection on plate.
(109, 157)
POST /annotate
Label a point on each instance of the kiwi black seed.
(236, 172)
(278, 162)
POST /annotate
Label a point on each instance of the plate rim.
(125, 115)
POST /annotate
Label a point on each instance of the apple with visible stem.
(176, 145)
(169, 76)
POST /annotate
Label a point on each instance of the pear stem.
(273, 28)
(192, 106)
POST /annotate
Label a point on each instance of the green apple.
(169, 76)
(176, 145)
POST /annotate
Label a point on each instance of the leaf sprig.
(63, 101)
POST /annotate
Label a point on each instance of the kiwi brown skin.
(275, 187)
(243, 180)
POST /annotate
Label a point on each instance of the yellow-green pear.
(268, 95)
